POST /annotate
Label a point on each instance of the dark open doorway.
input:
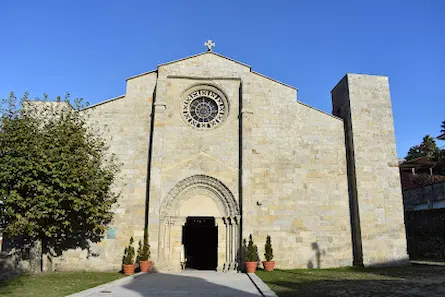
(200, 239)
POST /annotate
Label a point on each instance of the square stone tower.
(378, 231)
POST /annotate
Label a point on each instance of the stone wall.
(299, 184)
(292, 160)
(363, 101)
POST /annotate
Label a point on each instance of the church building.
(213, 151)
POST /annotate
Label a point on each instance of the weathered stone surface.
(363, 101)
(272, 166)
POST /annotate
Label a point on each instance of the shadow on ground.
(359, 282)
(194, 283)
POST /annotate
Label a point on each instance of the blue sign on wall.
(111, 233)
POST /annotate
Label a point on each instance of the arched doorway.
(199, 217)
(200, 241)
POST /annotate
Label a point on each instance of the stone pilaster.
(157, 155)
(246, 202)
(222, 244)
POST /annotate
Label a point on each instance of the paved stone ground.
(188, 283)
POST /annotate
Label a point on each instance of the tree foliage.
(414, 153)
(56, 175)
(442, 127)
(427, 148)
(440, 159)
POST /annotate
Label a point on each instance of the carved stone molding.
(196, 183)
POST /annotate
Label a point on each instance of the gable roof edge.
(204, 53)
(141, 74)
(103, 102)
(321, 111)
(274, 80)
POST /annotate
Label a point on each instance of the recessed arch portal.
(199, 196)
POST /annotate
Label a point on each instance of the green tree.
(55, 178)
(440, 159)
(413, 153)
(427, 148)
(442, 127)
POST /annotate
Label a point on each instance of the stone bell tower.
(378, 231)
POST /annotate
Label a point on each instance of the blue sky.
(89, 48)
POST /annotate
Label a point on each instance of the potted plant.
(269, 265)
(128, 266)
(144, 254)
(251, 260)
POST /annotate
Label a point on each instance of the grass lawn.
(358, 282)
(54, 284)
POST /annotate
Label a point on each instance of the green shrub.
(252, 251)
(139, 254)
(129, 253)
(268, 249)
(144, 249)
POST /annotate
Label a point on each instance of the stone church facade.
(213, 151)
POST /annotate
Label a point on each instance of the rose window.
(204, 109)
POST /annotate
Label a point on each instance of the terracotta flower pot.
(250, 267)
(145, 266)
(269, 265)
(128, 269)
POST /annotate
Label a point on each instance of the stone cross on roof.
(209, 44)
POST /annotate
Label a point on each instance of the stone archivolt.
(201, 183)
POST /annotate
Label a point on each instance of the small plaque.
(111, 233)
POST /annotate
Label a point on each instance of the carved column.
(234, 248)
(232, 244)
(232, 236)
(222, 244)
(168, 250)
(164, 231)
(226, 237)
(237, 241)
(176, 239)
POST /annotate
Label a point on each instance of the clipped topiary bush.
(252, 251)
(144, 249)
(268, 249)
(129, 253)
